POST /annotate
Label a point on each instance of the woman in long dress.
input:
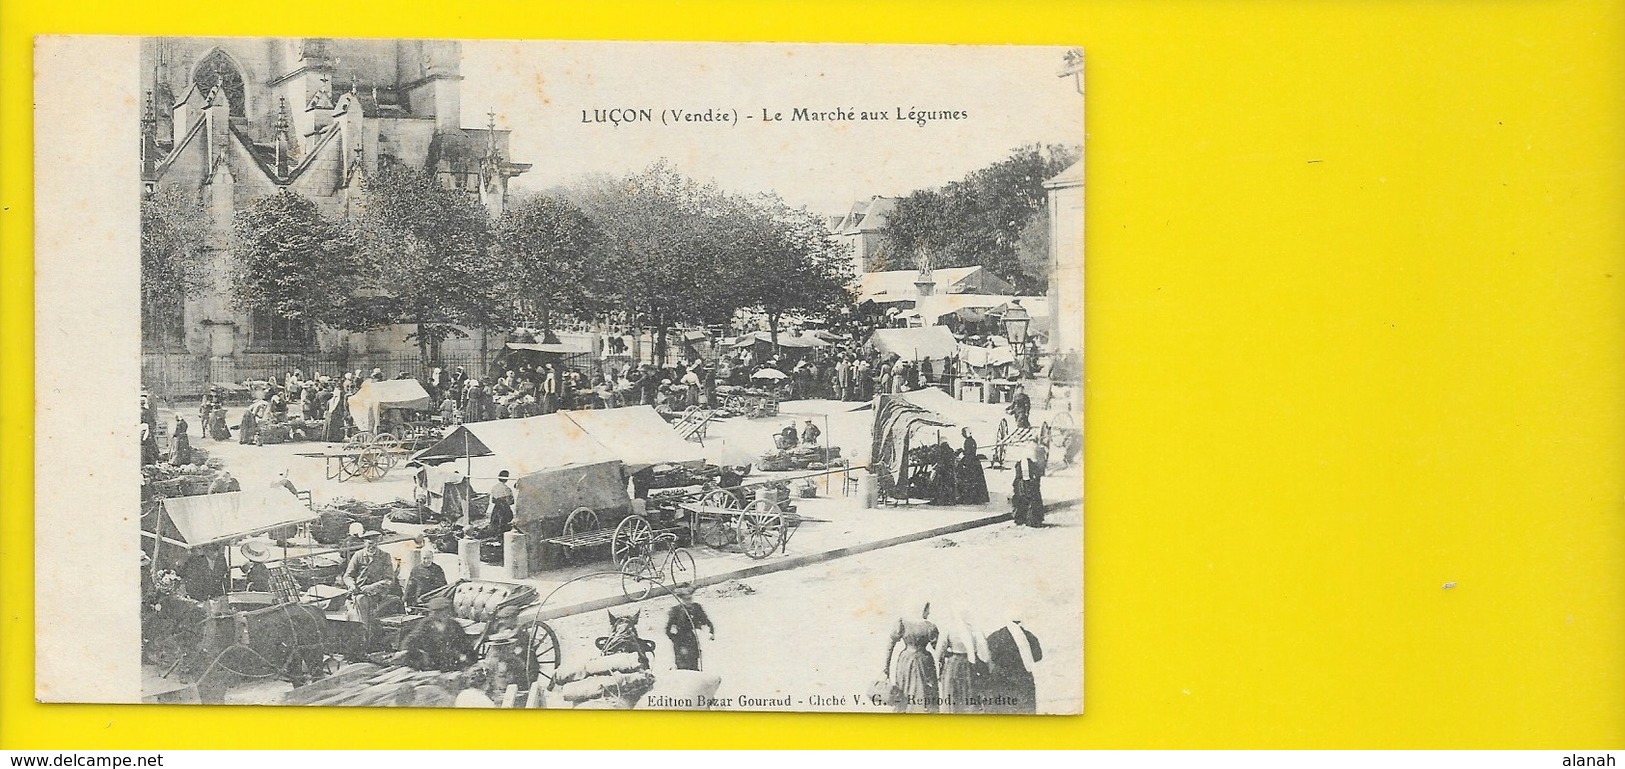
(910, 665)
(249, 429)
(960, 652)
(972, 482)
(180, 449)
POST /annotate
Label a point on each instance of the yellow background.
(1356, 329)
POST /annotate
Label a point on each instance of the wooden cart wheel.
(998, 442)
(716, 532)
(386, 441)
(638, 578)
(683, 570)
(761, 529)
(372, 464)
(349, 465)
(582, 519)
(544, 656)
(389, 459)
(360, 440)
(633, 536)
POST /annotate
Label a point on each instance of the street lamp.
(1015, 320)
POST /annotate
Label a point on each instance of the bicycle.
(640, 575)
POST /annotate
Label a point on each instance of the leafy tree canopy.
(291, 261)
(995, 217)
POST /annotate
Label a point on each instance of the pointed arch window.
(218, 69)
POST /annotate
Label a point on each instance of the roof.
(786, 339)
(913, 343)
(209, 518)
(561, 348)
(865, 216)
(899, 284)
(636, 436)
(1071, 177)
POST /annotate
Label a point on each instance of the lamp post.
(1015, 321)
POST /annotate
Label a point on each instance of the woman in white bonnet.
(961, 650)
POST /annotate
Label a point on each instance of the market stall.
(380, 406)
(934, 343)
(571, 469)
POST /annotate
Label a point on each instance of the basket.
(315, 570)
(491, 552)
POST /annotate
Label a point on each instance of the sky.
(1007, 96)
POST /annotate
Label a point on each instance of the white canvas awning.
(208, 519)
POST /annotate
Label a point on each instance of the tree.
(291, 261)
(789, 263)
(996, 217)
(553, 259)
(665, 237)
(174, 259)
(430, 248)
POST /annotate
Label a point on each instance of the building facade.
(864, 227)
(234, 120)
(1066, 259)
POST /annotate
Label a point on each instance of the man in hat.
(437, 642)
(683, 623)
(370, 578)
(501, 505)
(809, 434)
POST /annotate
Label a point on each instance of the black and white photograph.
(549, 375)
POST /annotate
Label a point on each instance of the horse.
(623, 638)
(290, 641)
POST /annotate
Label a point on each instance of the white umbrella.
(769, 373)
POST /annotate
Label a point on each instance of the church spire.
(149, 136)
(281, 127)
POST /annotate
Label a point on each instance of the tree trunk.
(424, 348)
(660, 340)
(773, 330)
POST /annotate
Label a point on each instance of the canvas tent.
(213, 519)
(791, 346)
(933, 342)
(368, 405)
(564, 460)
(516, 354)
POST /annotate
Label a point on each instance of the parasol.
(771, 374)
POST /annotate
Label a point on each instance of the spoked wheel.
(713, 531)
(682, 568)
(386, 441)
(349, 466)
(633, 536)
(582, 519)
(372, 465)
(543, 655)
(360, 440)
(638, 578)
(761, 529)
(998, 442)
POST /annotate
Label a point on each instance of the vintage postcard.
(440, 373)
